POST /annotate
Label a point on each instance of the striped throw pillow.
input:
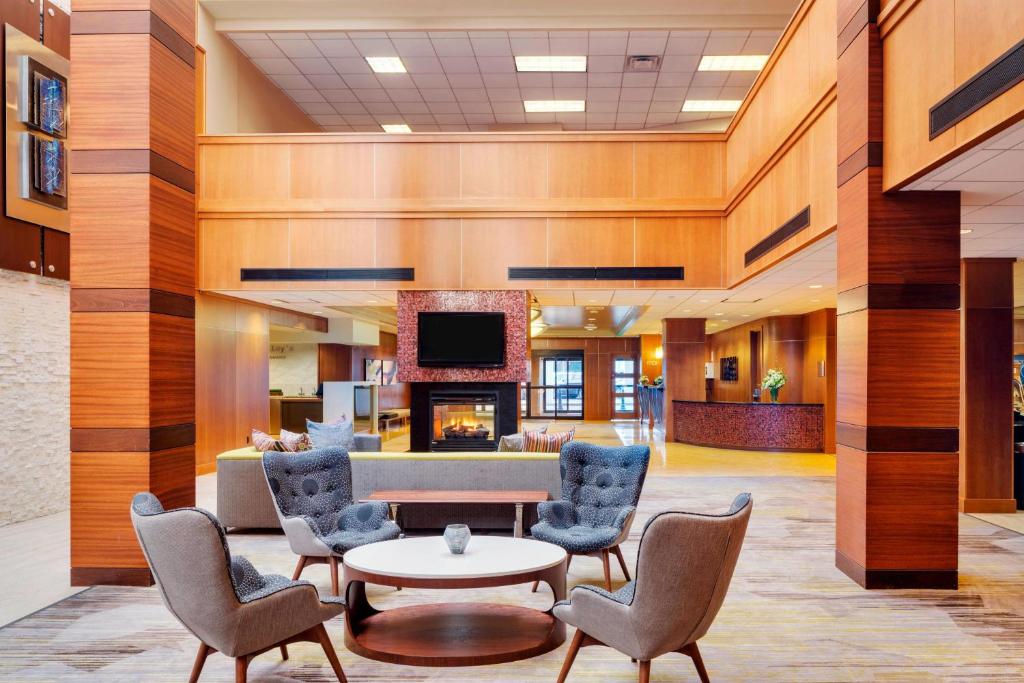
(264, 442)
(535, 442)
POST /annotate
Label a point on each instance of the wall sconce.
(821, 368)
(659, 353)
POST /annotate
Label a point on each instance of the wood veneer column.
(898, 345)
(683, 343)
(986, 408)
(133, 275)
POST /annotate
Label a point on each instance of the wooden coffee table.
(452, 634)
(397, 497)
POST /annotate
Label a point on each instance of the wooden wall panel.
(590, 170)
(694, 243)
(675, 169)
(331, 242)
(232, 341)
(590, 242)
(246, 172)
(491, 245)
(179, 15)
(500, 169)
(340, 173)
(416, 170)
(684, 351)
(229, 245)
(172, 102)
(433, 246)
(334, 363)
(110, 389)
(171, 370)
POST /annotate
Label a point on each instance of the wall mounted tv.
(461, 340)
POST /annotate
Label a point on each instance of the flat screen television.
(461, 340)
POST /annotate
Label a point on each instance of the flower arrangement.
(773, 381)
(659, 380)
(645, 381)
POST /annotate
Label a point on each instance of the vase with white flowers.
(773, 381)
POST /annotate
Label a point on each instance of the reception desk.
(750, 426)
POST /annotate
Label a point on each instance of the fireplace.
(462, 416)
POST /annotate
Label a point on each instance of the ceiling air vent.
(642, 64)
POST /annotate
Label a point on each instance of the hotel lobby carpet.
(790, 615)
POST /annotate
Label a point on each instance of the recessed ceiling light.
(317, 312)
(542, 106)
(718, 314)
(814, 301)
(732, 62)
(711, 105)
(815, 286)
(687, 310)
(775, 310)
(966, 231)
(744, 315)
(551, 63)
(591, 300)
(703, 301)
(276, 301)
(386, 65)
(396, 127)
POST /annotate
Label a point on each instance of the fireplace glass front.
(463, 423)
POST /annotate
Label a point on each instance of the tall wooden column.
(132, 275)
(898, 345)
(986, 406)
(683, 354)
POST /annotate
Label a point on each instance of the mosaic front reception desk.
(750, 426)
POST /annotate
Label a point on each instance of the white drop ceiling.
(990, 178)
(467, 80)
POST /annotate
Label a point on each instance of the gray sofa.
(244, 501)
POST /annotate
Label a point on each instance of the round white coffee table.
(452, 634)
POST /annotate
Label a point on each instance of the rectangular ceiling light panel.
(541, 106)
(711, 105)
(732, 62)
(396, 128)
(551, 63)
(386, 65)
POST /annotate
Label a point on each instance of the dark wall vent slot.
(315, 274)
(602, 273)
(780, 235)
(986, 85)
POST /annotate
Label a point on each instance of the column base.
(111, 576)
(882, 579)
(997, 505)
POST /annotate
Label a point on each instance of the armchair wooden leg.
(299, 567)
(334, 574)
(693, 653)
(570, 656)
(197, 667)
(622, 562)
(284, 652)
(645, 672)
(241, 669)
(325, 642)
(605, 560)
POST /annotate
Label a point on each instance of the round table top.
(428, 557)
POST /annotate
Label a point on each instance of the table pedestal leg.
(518, 529)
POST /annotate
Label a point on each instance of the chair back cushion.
(599, 481)
(684, 566)
(315, 484)
(188, 555)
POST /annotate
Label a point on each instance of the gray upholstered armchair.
(683, 570)
(223, 600)
(600, 489)
(313, 495)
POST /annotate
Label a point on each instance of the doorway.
(624, 378)
(558, 393)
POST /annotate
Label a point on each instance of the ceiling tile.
(437, 94)
(317, 108)
(604, 80)
(313, 65)
(635, 94)
(537, 93)
(530, 46)
(646, 42)
(507, 106)
(509, 118)
(306, 95)
(632, 80)
(298, 48)
(448, 119)
(349, 107)
(495, 80)
(492, 47)
(396, 81)
(599, 94)
(292, 82)
(413, 47)
(478, 118)
(276, 67)
(535, 80)
(634, 106)
(470, 94)
(404, 95)
(350, 65)
(707, 79)
(666, 106)
(452, 47)
(474, 107)
(677, 79)
(381, 108)
(336, 48)
(607, 43)
(680, 63)
(371, 94)
(328, 119)
(422, 65)
(448, 34)
(680, 45)
(497, 65)
(460, 65)
(724, 45)
(260, 48)
(1008, 139)
(570, 93)
(327, 81)
(602, 105)
(419, 118)
(1006, 166)
(756, 45)
(430, 81)
(408, 107)
(375, 48)
(361, 81)
(504, 94)
(465, 80)
(602, 64)
(565, 46)
(569, 80)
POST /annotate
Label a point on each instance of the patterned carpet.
(790, 616)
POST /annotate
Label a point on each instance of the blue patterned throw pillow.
(332, 434)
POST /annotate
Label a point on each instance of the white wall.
(293, 367)
(34, 396)
(239, 98)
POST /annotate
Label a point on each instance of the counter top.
(296, 399)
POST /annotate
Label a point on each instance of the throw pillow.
(332, 434)
(535, 442)
(294, 443)
(264, 442)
